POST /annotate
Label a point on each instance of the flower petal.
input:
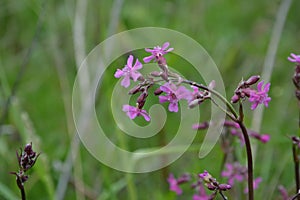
(148, 59)
(173, 107)
(126, 81)
(119, 73)
(129, 61)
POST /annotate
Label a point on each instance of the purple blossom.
(174, 183)
(129, 72)
(157, 52)
(133, 112)
(234, 172)
(294, 58)
(260, 96)
(174, 94)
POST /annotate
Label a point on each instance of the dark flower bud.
(141, 78)
(158, 91)
(224, 187)
(135, 90)
(296, 81)
(235, 98)
(164, 76)
(297, 93)
(211, 187)
(142, 99)
(252, 80)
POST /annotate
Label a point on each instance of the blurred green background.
(238, 36)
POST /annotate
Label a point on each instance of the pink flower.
(174, 94)
(133, 112)
(260, 96)
(129, 72)
(157, 52)
(294, 58)
(174, 185)
(234, 172)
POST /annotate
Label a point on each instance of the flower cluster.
(235, 172)
(172, 89)
(26, 160)
(234, 129)
(202, 180)
(258, 96)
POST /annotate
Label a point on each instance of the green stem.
(214, 92)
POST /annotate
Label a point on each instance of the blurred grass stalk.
(268, 67)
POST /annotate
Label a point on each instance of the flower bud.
(224, 187)
(142, 99)
(235, 98)
(135, 90)
(156, 74)
(158, 91)
(252, 80)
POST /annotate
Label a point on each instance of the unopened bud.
(252, 80)
(134, 90)
(195, 103)
(156, 74)
(235, 98)
(224, 187)
(158, 91)
(142, 99)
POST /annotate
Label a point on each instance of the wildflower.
(294, 58)
(174, 183)
(129, 72)
(157, 52)
(174, 94)
(260, 96)
(133, 112)
(234, 172)
(27, 158)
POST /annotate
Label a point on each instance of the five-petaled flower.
(157, 52)
(294, 58)
(174, 94)
(260, 96)
(133, 112)
(129, 72)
